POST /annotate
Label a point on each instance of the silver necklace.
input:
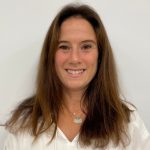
(76, 118)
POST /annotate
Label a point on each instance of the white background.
(24, 23)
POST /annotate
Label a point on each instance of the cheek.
(92, 60)
(93, 63)
(59, 60)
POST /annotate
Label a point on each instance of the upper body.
(140, 139)
(77, 101)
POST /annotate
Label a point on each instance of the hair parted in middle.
(107, 115)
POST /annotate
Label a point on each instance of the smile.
(75, 72)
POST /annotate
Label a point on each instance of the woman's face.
(77, 54)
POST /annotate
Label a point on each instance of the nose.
(75, 56)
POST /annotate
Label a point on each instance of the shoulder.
(24, 141)
(138, 133)
(16, 141)
(136, 121)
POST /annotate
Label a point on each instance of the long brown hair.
(107, 115)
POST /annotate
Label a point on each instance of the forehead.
(76, 27)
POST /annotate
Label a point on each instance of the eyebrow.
(59, 42)
(90, 41)
(85, 41)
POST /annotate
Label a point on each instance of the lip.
(75, 73)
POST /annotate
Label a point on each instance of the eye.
(64, 47)
(86, 46)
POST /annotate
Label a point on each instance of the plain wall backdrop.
(24, 23)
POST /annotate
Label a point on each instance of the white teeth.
(75, 72)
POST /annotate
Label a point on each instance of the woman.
(77, 103)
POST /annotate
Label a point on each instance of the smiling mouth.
(75, 71)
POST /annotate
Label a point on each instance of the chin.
(75, 88)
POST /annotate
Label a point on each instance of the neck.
(73, 109)
(72, 100)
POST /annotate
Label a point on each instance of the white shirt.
(140, 139)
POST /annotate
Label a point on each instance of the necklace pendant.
(77, 120)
